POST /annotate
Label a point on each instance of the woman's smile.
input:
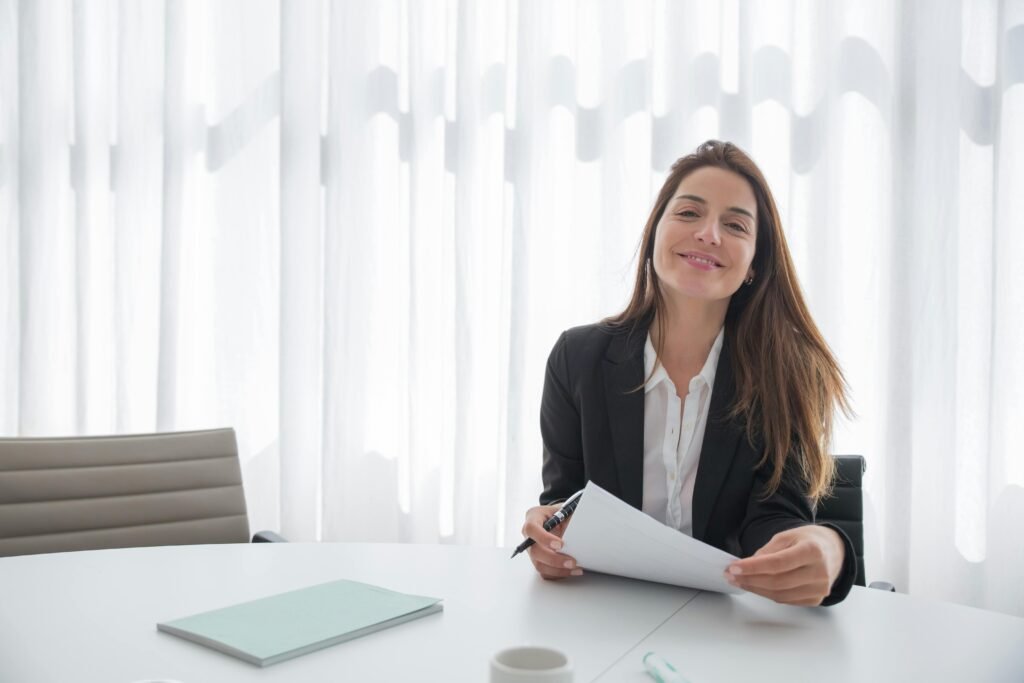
(700, 261)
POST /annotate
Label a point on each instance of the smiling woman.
(718, 376)
(709, 227)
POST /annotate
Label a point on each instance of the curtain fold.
(301, 299)
(353, 230)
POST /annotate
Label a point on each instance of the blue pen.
(660, 670)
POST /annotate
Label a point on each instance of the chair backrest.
(86, 493)
(845, 507)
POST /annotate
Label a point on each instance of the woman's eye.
(687, 213)
(737, 226)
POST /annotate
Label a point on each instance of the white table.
(92, 616)
(870, 636)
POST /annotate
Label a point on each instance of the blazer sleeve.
(562, 471)
(785, 509)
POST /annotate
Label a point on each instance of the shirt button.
(671, 476)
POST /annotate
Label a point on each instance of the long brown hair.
(788, 383)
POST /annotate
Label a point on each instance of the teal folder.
(279, 627)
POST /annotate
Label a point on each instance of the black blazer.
(592, 424)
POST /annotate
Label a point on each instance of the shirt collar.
(707, 373)
(650, 360)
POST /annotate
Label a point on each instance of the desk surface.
(870, 636)
(92, 616)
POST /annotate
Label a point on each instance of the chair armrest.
(268, 537)
(882, 586)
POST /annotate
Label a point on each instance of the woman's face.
(704, 245)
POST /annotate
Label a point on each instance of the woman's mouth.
(700, 262)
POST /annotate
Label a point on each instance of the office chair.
(87, 493)
(845, 509)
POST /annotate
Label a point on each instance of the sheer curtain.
(352, 230)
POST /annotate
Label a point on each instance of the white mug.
(530, 664)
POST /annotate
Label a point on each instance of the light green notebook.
(279, 627)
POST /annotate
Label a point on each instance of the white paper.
(609, 536)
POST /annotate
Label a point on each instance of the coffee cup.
(531, 664)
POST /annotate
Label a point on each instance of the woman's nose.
(709, 232)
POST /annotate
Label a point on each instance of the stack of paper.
(287, 625)
(609, 536)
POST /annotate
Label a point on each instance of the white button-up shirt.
(673, 436)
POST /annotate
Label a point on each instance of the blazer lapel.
(721, 438)
(623, 373)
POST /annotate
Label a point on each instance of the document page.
(609, 536)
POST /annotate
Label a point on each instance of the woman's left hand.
(796, 567)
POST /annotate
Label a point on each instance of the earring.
(749, 280)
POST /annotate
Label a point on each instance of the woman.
(708, 402)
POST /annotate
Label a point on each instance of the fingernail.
(577, 572)
(736, 570)
(732, 581)
(556, 545)
(568, 564)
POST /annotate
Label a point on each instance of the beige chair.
(86, 493)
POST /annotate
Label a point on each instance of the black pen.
(568, 507)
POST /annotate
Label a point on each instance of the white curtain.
(353, 230)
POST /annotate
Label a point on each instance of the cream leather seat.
(84, 493)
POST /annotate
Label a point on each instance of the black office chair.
(845, 509)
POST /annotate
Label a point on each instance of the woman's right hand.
(544, 554)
